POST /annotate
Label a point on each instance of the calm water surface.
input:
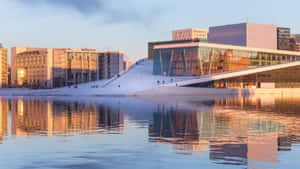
(178, 132)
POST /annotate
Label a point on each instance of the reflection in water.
(32, 117)
(3, 120)
(235, 131)
(231, 131)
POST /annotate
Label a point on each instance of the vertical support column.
(161, 63)
(97, 66)
(210, 61)
(82, 69)
(185, 64)
(170, 63)
(200, 62)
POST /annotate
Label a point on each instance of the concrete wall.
(261, 36)
(194, 91)
(245, 34)
(229, 34)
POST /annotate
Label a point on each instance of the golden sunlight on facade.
(3, 67)
(3, 120)
(58, 118)
(189, 34)
(51, 67)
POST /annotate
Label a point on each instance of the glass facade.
(197, 61)
(280, 78)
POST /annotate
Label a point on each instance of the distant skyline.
(128, 25)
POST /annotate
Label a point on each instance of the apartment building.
(52, 67)
(3, 67)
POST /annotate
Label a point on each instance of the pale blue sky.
(128, 24)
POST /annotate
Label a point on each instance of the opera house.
(229, 61)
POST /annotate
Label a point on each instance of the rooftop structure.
(283, 38)
(152, 44)
(190, 34)
(245, 34)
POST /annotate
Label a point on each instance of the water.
(177, 132)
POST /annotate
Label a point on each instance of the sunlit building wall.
(3, 67)
(295, 42)
(76, 66)
(32, 67)
(189, 34)
(51, 67)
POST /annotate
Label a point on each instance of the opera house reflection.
(236, 131)
(250, 132)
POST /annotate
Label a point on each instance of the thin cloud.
(85, 7)
(94, 8)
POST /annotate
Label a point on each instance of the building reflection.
(3, 120)
(236, 131)
(31, 117)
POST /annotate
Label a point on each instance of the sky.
(128, 25)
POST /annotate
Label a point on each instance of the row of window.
(200, 61)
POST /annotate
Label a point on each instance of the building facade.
(51, 67)
(189, 34)
(295, 42)
(283, 38)
(110, 64)
(32, 67)
(152, 44)
(245, 34)
(3, 67)
(197, 59)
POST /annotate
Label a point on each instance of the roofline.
(243, 23)
(70, 49)
(243, 72)
(222, 46)
(190, 29)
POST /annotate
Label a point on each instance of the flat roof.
(222, 46)
(244, 23)
(187, 29)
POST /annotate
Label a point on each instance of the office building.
(283, 38)
(245, 34)
(3, 67)
(51, 67)
(189, 34)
